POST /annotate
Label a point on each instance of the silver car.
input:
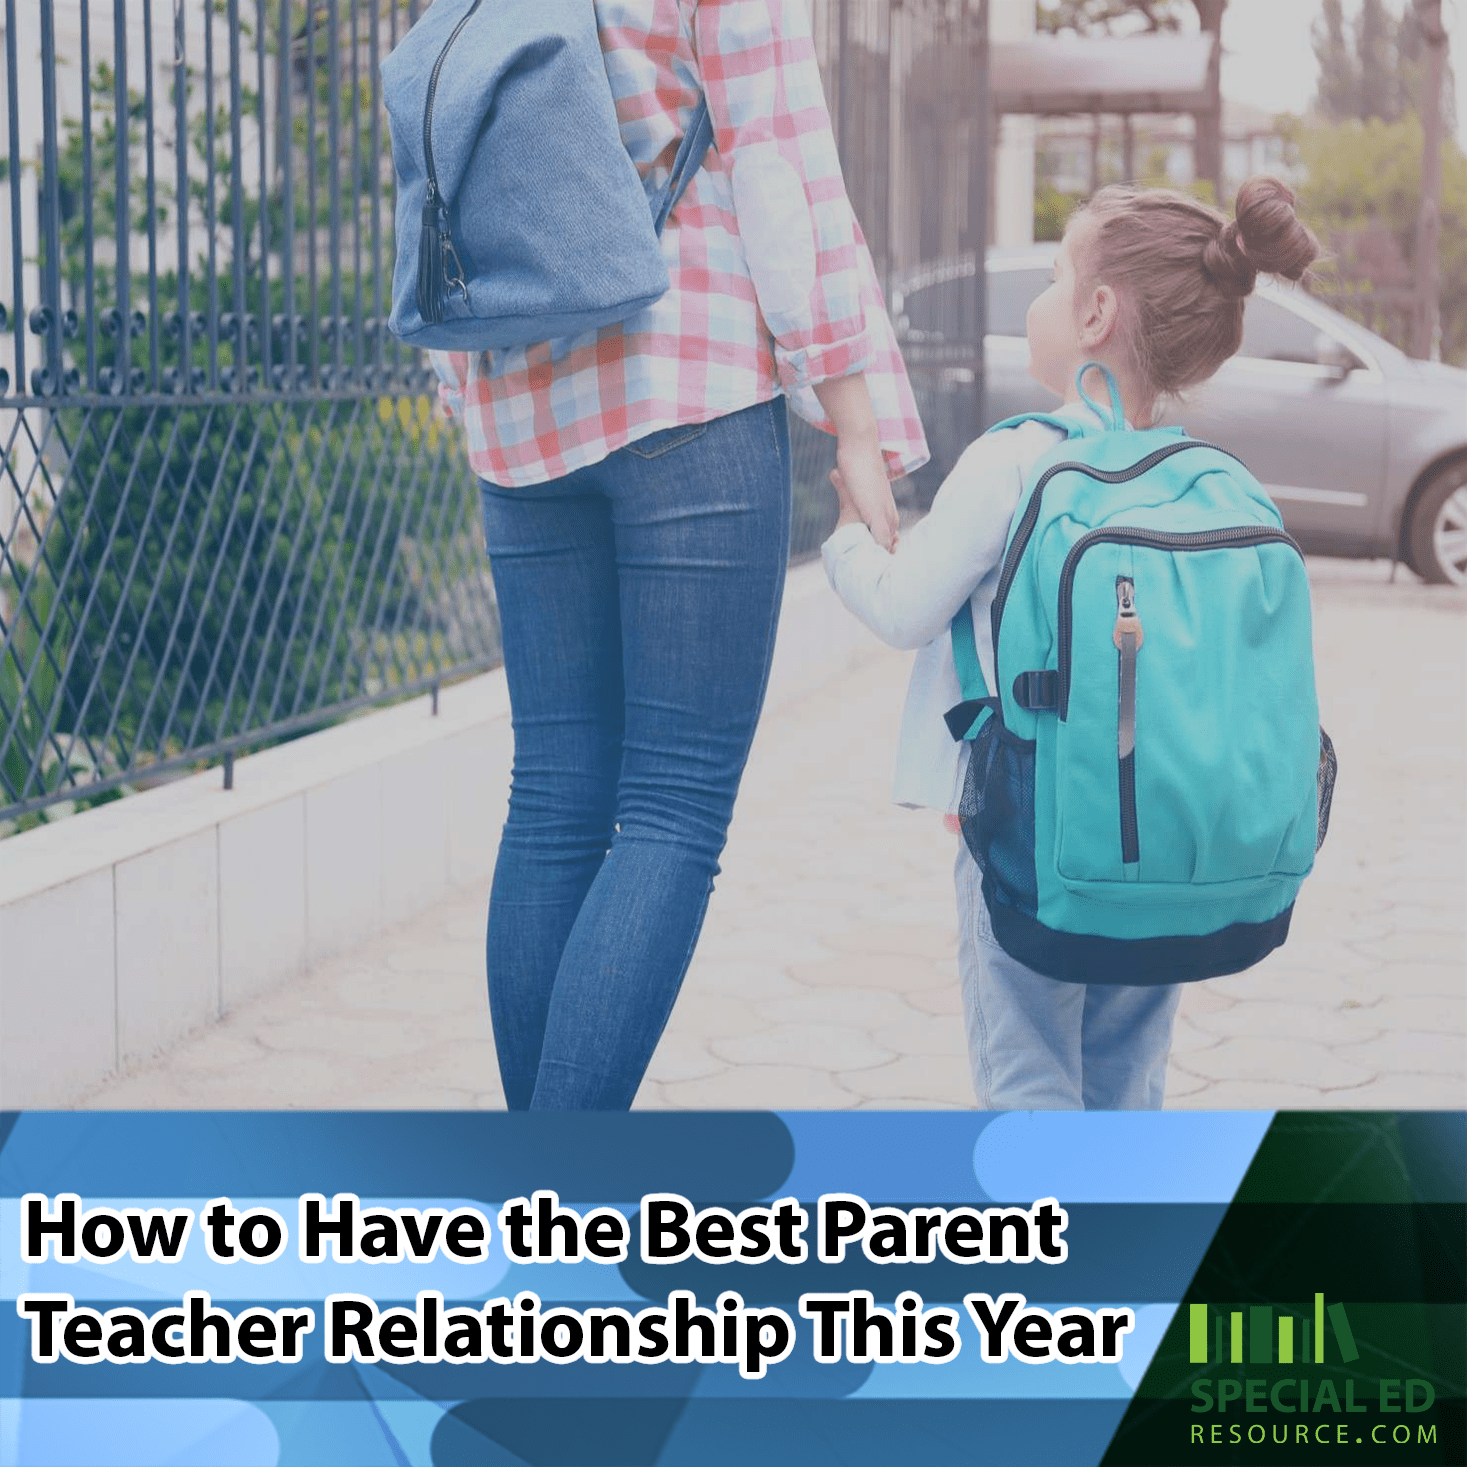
(1363, 448)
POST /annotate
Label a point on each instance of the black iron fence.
(228, 513)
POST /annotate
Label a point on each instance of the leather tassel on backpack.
(432, 286)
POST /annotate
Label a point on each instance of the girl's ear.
(1098, 317)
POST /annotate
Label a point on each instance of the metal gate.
(228, 513)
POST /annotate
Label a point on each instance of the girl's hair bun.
(1266, 237)
(1227, 263)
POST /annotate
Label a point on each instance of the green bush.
(215, 561)
(1361, 193)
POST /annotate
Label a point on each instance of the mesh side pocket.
(1328, 767)
(996, 813)
(970, 805)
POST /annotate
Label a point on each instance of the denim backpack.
(520, 215)
(1149, 783)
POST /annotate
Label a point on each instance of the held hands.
(865, 495)
(860, 471)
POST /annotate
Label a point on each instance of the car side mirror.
(1332, 353)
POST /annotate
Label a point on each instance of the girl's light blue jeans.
(1036, 1043)
(638, 599)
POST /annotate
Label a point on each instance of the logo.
(1261, 1337)
(1275, 1345)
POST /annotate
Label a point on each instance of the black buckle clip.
(1038, 692)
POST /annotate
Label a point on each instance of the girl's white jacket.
(910, 598)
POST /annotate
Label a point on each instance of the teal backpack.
(1149, 783)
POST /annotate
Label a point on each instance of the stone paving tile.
(682, 1056)
(341, 1034)
(834, 912)
(1406, 946)
(1179, 1084)
(1301, 1062)
(872, 970)
(1406, 1092)
(283, 1080)
(1408, 1053)
(1445, 980)
(761, 1087)
(870, 1009)
(1249, 1094)
(1204, 998)
(467, 1065)
(217, 1049)
(755, 983)
(1189, 1032)
(911, 1077)
(1291, 1020)
(711, 1015)
(1276, 980)
(911, 939)
(765, 945)
(834, 1047)
(945, 1000)
(377, 993)
(410, 1094)
(1429, 1013)
(925, 1034)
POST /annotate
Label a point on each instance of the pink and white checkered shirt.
(773, 287)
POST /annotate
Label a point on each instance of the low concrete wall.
(125, 927)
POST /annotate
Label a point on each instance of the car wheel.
(1438, 530)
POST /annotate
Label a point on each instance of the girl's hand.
(864, 490)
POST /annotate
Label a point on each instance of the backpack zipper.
(1236, 536)
(1031, 514)
(1128, 637)
(439, 267)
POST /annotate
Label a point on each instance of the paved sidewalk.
(826, 977)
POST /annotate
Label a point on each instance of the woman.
(636, 497)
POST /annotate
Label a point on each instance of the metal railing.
(228, 513)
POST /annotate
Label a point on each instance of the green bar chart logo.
(1267, 1345)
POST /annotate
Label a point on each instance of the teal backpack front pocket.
(1187, 734)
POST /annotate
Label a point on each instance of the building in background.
(1162, 148)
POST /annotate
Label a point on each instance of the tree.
(1361, 192)
(1375, 46)
(1378, 68)
(1209, 120)
(1338, 93)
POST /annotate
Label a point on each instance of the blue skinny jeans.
(638, 601)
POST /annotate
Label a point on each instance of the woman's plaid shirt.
(773, 287)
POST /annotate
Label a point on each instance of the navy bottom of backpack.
(1143, 961)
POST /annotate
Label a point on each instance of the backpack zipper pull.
(1127, 637)
(1128, 623)
(433, 248)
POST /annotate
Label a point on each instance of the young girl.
(1150, 284)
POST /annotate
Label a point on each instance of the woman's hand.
(860, 471)
(860, 480)
(865, 493)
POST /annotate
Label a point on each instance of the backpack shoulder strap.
(966, 718)
(1070, 427)
(690, 154)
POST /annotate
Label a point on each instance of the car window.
(1274, 333)
(1010, 294)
